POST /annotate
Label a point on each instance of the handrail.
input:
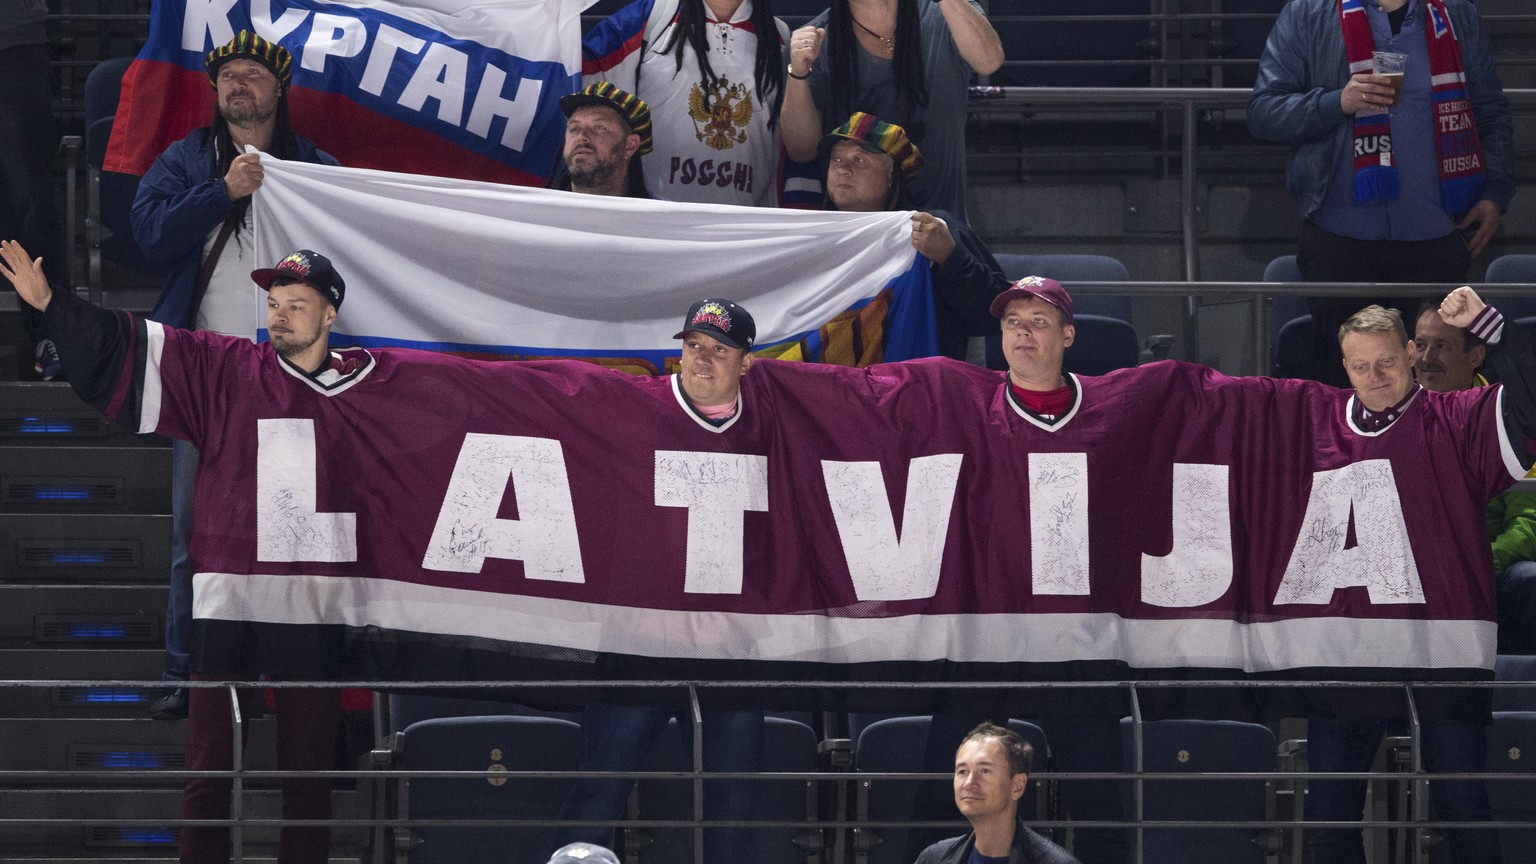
(1135, 822)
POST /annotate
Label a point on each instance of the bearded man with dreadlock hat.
(192, 214)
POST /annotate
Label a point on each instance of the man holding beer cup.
(1396, 182)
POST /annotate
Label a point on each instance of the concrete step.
(36, 413)
(85, 548)
(79, 664)
(85, 480)
(85, 839)
(42, 616)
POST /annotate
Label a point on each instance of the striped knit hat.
(248, 46)
(878, 136)
(631, 107)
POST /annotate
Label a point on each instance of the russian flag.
(457, 88)
(537, 273)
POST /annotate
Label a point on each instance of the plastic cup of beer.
(1390, 65)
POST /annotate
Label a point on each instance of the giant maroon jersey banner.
(560, 518)
(457, 88)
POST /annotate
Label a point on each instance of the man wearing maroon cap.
(718, 336)
(1036, 316)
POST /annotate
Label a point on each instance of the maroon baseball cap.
(1045, 288)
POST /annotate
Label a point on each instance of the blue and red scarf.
(1460, 153)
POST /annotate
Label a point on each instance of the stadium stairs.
(84, 559)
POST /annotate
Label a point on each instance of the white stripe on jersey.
(149, 401)
(1507, 447)
(993, 637)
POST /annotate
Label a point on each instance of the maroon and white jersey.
(560, 518)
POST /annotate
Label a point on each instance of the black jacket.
(1028, 848)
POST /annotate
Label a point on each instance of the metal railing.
(384, 825)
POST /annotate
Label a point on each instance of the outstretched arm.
(94, 343)
(1511, 357)
(25, 274)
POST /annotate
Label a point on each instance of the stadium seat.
(897, 745)
(108, 232)
(788, 746)
(1067, 269)
(1515, 667)
(406, 709)
(1293, 350)
(1513, 269)
(1091, 53)
(1105, 339)
(1512, 750)
(1194, 747)
(1284, 307)
(1102, 345)
(477, 744)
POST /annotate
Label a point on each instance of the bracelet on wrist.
(791, 72)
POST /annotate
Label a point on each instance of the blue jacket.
(1304, 70)
(178, 204)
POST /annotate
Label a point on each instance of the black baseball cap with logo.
(722, 319)
(311, 268)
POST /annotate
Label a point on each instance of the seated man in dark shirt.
(991, 774)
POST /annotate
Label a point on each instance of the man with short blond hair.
(1379, 359)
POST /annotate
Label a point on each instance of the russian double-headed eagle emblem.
(720, 112)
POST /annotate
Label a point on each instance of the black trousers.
(1325, 257)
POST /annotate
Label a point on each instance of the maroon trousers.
(307, 720)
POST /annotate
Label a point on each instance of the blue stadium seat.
(1512, 750)
(1194, 747)
(109, 234)
(477, 744)
(1101, 345)
(1066, 269)
(1105, 339)
(1515, 667)
(788, 746)
(1293, 350)
(1285, 307)
(1096, 53)
(1527, 327)
(406, 709)
(1516, 269)
(897, 745)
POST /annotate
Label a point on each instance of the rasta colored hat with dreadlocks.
(248, 46)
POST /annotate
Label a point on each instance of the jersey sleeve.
(137, 372)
